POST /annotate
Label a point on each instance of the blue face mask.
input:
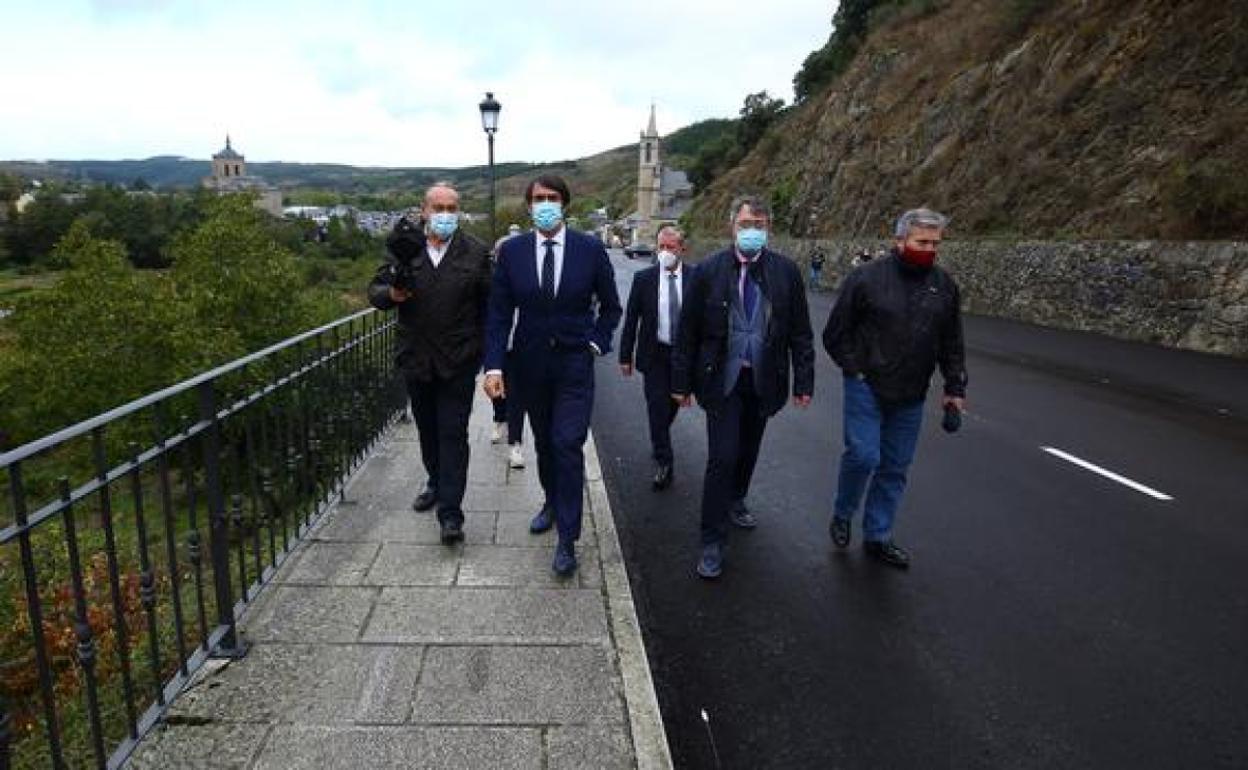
(443, 224)
(751, 240)
(547, 215)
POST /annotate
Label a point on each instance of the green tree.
(850, 24)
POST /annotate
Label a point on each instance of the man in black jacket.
(654, 303)
(744, 323)
(895, 319)
(439, 279)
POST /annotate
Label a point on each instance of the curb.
(644, 718)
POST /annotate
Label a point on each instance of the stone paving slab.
(375, 646)
(296, 747)
(488, 616)
(517, 685)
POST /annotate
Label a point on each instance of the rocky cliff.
(1068, 119)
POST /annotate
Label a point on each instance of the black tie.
(548, 271)
(673, 307)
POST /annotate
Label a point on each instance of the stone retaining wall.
(1187, 295)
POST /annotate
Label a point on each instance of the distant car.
(639, 251)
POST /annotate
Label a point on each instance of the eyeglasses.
(546, 198)
(745, 224)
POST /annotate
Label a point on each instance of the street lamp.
(489, 123)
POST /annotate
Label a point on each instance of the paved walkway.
(378, 647)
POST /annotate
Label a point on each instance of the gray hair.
(757, 206)
(671, 229)
(923, 219)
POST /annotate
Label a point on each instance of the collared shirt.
(559, 238)
(664, 332)
(436, 253)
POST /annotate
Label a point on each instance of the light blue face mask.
(443, 224)
(547, 215)
(751, 240)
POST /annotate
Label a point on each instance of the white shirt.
(559, 239)
(436, 253)
(664, 332)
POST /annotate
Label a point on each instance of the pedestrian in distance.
(817, 259)
(896, 319)
(744, 324)
(556, 287)
(651, 325)
(438, 278)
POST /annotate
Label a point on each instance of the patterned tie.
(749, 293)
(673, 307)
(548, 271)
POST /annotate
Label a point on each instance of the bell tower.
(649, 175)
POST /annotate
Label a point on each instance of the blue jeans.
(879, 445)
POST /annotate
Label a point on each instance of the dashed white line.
(1138, 487)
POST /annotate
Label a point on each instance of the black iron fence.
(130, 542)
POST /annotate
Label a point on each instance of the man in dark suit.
(562, 283)
(745, 322)
(654, 303)
(439, 279)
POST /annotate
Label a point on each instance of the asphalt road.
(1053, 617)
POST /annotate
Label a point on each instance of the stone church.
(229, 175)
(663, 194)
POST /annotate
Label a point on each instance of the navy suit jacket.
(586, 308)
(643, 312)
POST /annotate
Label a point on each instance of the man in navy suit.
(744, 325)
(654, 303)
(563, 286)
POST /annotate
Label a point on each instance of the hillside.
(1030, 118)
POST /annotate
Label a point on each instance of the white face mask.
(667, 260)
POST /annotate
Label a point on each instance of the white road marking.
(1138, 487)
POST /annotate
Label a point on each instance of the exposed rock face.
(1183, 294)
(1096, 119)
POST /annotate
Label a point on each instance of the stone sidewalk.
(375, 646)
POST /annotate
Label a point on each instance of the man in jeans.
(895, 319)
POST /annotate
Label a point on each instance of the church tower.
(649, 176)
(228, 163)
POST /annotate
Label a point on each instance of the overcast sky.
(381, 83)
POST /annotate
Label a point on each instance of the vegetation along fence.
(130, 543)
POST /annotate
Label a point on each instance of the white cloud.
(381, 83)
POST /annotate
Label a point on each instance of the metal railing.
(116, 593)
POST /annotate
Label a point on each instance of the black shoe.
(452, 532)
(425, 500)
(888, 552)
(741, 516)
(565, 559)
(839, 529)
(544, 520)
(663, 476)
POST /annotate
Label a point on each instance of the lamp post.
(489, 123)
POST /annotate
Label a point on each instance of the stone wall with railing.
(1191, 295)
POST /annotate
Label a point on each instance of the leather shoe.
(543, 521)
(663, 476)
(741, 516)
(452, 532)
(565, 559)
(887, 552)
(711, 563)
(839, 529)
(425, 500)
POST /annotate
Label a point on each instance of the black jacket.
(698, 360)
(892, 324)
(442, 325)
(643, 312)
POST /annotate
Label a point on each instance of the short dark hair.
(552, 182)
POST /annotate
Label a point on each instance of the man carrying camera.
(439, 279)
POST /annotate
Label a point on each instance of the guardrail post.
(218, 524)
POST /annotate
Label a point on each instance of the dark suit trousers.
(734, 433)
(442, 407)
(660, 407)
(559, 397)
